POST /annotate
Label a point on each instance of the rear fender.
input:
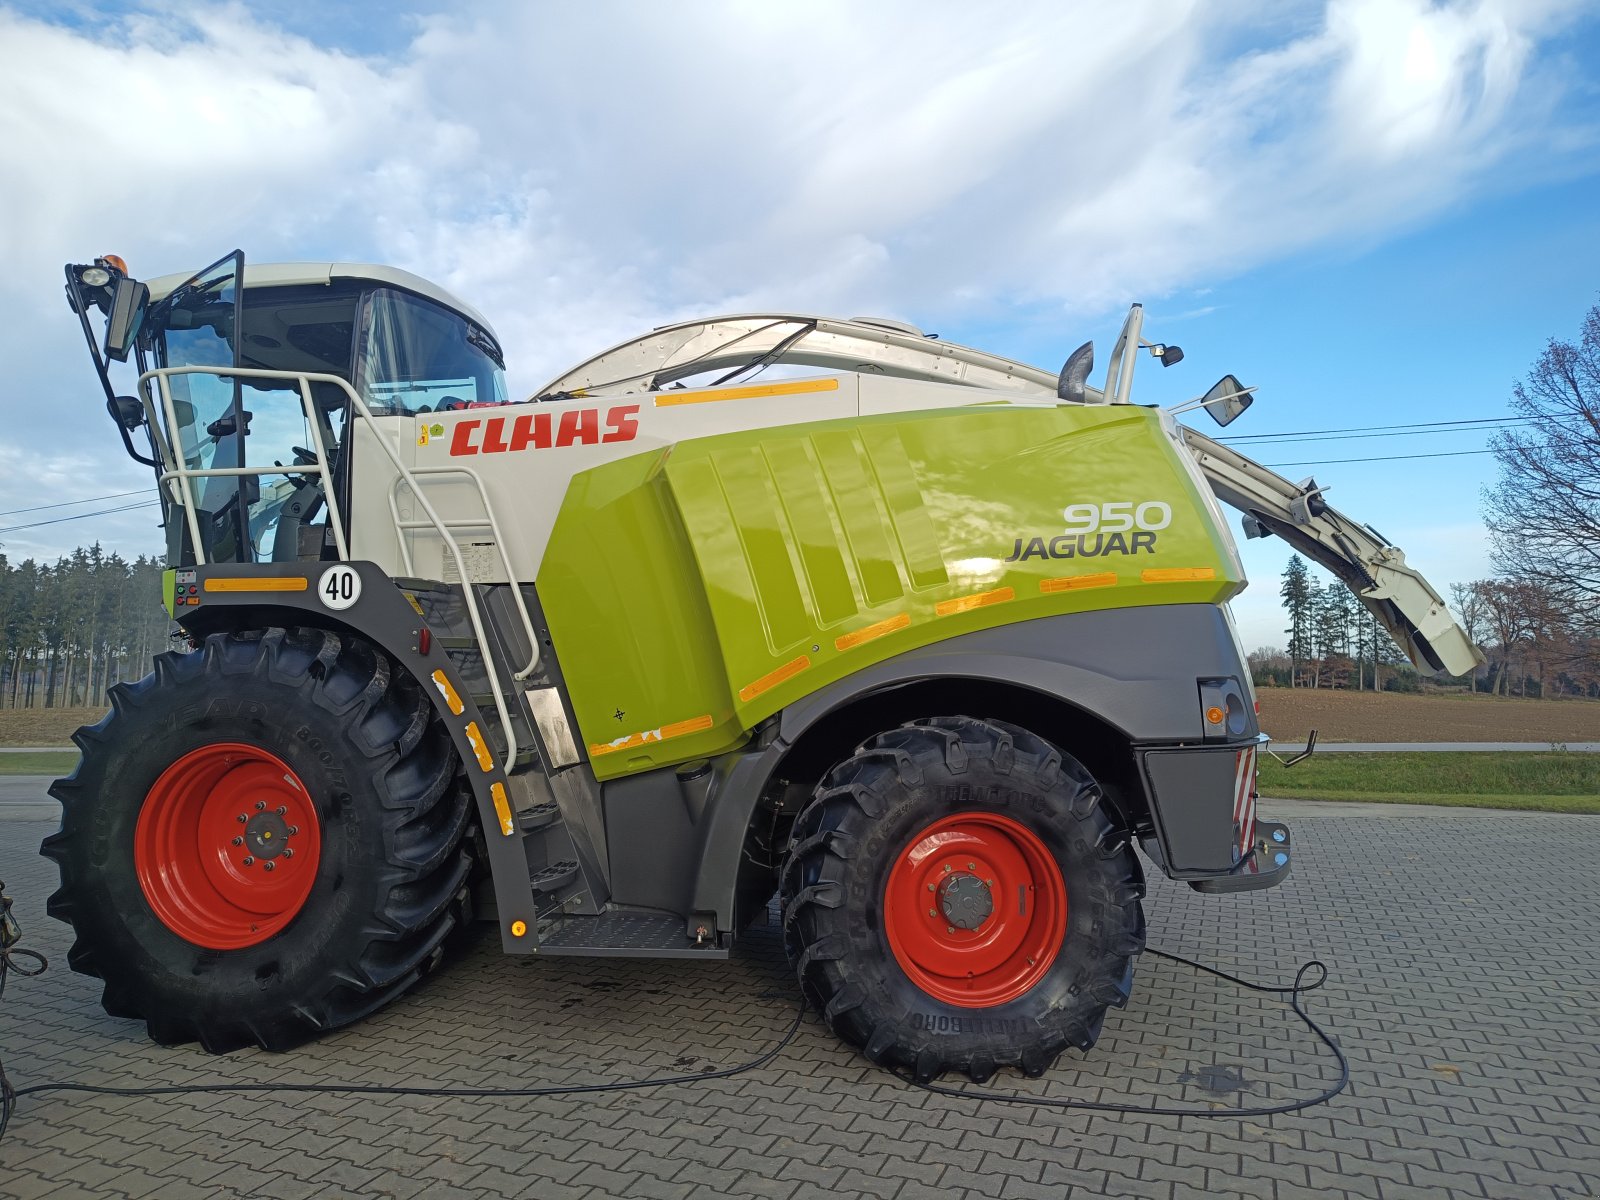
(1132, 676)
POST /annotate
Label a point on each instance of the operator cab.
(406, 346)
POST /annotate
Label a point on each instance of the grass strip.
(1536, 781)
(47, 762)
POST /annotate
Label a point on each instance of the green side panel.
(169, 591)
(693, 592)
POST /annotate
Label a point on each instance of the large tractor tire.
(262, 841)
(957, 898)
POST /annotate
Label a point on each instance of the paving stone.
(1460, 990)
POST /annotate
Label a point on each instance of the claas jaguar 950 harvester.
(928, 643)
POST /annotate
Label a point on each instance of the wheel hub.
(266, 835)
(965, 900)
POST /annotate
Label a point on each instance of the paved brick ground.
(1466, 989)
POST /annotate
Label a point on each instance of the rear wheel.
(956, 897)
(263, 840)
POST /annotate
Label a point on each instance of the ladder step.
(623, 935)
(540, 816)
(553, 876)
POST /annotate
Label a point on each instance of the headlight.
(94, 276)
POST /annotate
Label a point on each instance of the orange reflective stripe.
(1176, 574)
(1073, 583)
(257, 583)
(977, 600)
(668, 399)
(773, 678)
(850, 640)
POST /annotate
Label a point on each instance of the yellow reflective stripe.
(502, 807)
(1176, 574)
(849, 641)
(1073, 583)
(773, 678)
(442, 682)
(668, 399)
(693, 725)
(257, 583)
(480, 748)
(644, 737)
(977, 600)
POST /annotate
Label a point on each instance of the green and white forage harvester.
(922, 640)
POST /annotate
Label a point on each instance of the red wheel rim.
(975, 909)
(227, 845)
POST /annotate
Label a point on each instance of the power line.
(1323, 462)
(61, 520)
(11, 512)
(1345, 437)
(1463, 423)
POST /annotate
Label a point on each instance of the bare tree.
(1544, 513)
(1469, 606)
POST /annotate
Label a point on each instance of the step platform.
(622, 935)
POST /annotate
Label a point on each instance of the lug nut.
(947, 868)
(249, 860)
(288, 852)
(972, 866)
(269, 864)
(949, 928)
(260, 805)
(238, 841)
(931, 913)
(282, 808)
(243, 818)
(293, 829)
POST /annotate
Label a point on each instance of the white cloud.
(582, 173)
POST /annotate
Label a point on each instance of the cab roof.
(301, 274)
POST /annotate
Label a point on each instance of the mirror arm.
(1311, 745)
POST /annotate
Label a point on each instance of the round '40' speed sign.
(339, 587)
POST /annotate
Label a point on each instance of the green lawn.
(1545, 782)
(49, 762)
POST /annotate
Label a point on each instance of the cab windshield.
(417, 357)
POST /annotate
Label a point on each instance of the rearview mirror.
(1226, 400)
(128, 300)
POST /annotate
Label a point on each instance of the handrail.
(181, 474)
(409, 479)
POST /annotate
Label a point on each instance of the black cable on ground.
(1294, 991)
(12, 959)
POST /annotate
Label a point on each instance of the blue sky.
(1377, 211)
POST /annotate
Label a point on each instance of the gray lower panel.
(1193, 792)
(623, 935)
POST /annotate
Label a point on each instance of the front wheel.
(263, 840)
(956, 897)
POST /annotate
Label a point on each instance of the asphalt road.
(1464, 976)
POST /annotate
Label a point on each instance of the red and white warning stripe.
(1244, 799)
